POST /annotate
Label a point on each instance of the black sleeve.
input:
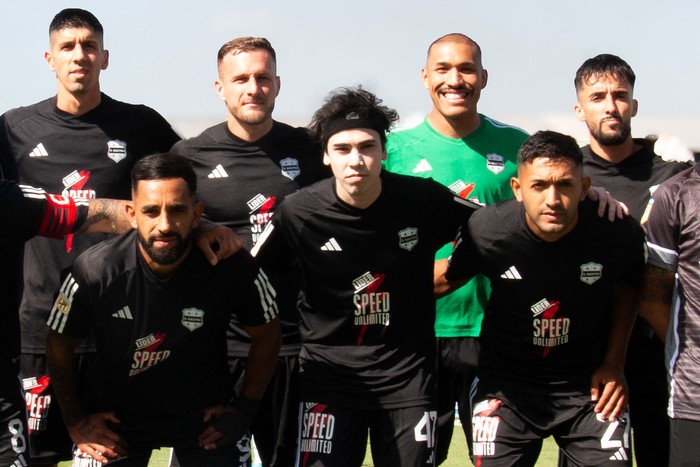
(466, 256)
(274, 251)
(28, 211)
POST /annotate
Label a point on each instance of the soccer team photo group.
(307, 296)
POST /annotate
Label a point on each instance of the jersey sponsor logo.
(461, 189)
(38, 401)
(485, 427)
(218, 172)
(317, 429)
(258, 220)
(511, 274)
(123, 313)
(192, 318)
(372, 306)
(422, 166)
(548, 331)
(495, 163)
(331, 245)
(147, 355)
(39, 151)
(116, 150)
(591, 272)
(74, 184)
(290, 168)
(408, 238)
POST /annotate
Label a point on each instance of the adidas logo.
(423, 166)
(512, 274)
(620, 455)
(124, 313)
(331, 245)
(39, 151)
(218, 172)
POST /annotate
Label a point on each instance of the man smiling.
(475, 156)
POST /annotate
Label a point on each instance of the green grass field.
(457, 458)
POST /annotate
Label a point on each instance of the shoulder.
(504, 130)
(142, 113)
(17, 115)
(498, 217)
(107, 259)
(213, 135)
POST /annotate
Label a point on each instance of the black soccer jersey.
(161, 346)
(89, 156)
(672, 232)
(241, 185)
(546, 325)
(26, 212)
(367, 305)
(633, 180)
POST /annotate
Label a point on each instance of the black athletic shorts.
(508, 429)
(337, 437)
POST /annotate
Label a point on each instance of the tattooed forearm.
(107, 216)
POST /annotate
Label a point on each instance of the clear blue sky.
(163, 52)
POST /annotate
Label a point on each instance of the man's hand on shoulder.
(216, 241)
(616, 209)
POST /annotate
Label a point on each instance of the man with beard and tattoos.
(158, 313)
(630, 170)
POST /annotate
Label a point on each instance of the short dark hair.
(351, 104)
(75, 18)
(456, 37)
(603, 65)
(245, 44)
(163, 167)
(549, 145)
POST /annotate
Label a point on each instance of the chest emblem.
(116, 150)
(290, 168)
(495, 163)
(591, 272)
(408, 238)
(192, 318)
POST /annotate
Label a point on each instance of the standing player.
(158, 312)
(555, 329)
(245, 167)
(631, 171)
(79, 143)
(365, 242)
(475, 156)
(670, 303)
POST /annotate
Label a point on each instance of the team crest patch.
(290, 168)
(63, 303)
(495, 163)
(408, 238)
(591, 272)
(116, 150)
(192, 318)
